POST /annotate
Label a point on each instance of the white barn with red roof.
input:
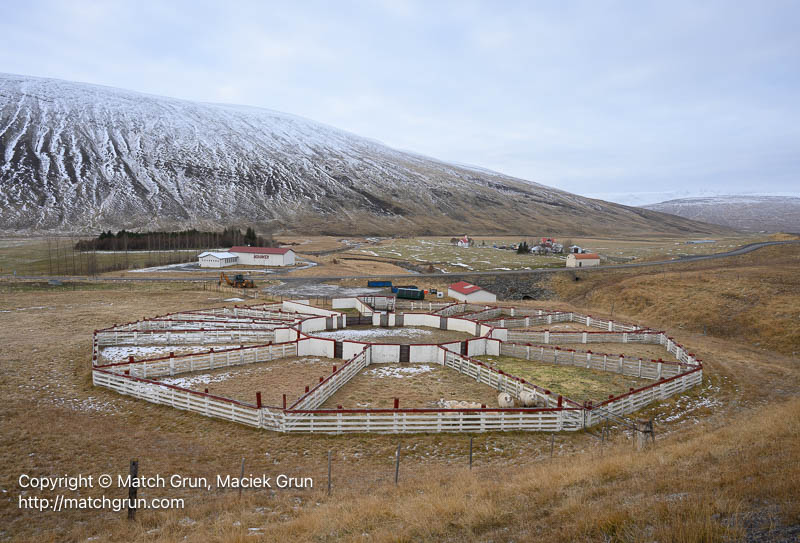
(467, 292)
(263, 256)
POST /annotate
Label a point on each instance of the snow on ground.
(372, 333)
(314, 290)
(398, 372)
(170, 267)
(121, 354)
(202, 379)
(234, 300)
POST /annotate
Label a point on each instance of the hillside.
(748, 213)
(79, 158)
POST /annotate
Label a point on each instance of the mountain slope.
(79, 157)
(750, 213)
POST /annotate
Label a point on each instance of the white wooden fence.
(258, 324)
(631, 367)
(182, 337)
(209, 360)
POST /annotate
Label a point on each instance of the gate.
(464, 348)
(443, 323)
(384, 320)
(337, 349)
(405, 353)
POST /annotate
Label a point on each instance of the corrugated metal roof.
(217, 255)
(465, 288)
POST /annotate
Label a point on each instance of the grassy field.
(415, 385)
(577, 384)
(273, 379)
(753, 297)
(445, 257)
(55, 256)
(441, 255)
(725, 466)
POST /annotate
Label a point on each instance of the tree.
(523, 248)
(250, 236)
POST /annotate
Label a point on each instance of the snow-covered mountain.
(752, 213)
(80, 157)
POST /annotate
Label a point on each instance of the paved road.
(682, 260)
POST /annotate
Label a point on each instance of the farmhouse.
(216, 259)
(584, 260)
(263, 256)
(467, 292)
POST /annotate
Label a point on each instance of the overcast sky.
(600, 98)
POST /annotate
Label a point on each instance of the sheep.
(504, 399)
(528, 398)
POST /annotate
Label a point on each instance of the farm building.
(263, 256)
(211, 259)
(584, 260)
(467, 292)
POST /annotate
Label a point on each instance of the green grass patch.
(575, 383)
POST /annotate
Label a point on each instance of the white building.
(584, 260)
(263, 256)
(467, 292)
(211, 259)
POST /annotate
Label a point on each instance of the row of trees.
(172, 241)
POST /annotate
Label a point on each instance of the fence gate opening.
(405, 353)
(464, 347)
(337, 349)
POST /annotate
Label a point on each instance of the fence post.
(329, 472)
(132, 490)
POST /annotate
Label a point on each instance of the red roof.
(586, 256)
(465, 288)
(259, 250)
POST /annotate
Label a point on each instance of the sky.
(632, 101)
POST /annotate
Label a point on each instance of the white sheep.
(504, 399)
(528, 398)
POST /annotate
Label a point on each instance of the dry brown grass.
(754, 297)
(377, 386)
(731, 470)
(273, 379)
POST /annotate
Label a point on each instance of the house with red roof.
(467, 292)
(263, 256)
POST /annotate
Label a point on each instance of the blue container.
(379, 284)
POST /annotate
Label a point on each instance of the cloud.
(577, 95)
